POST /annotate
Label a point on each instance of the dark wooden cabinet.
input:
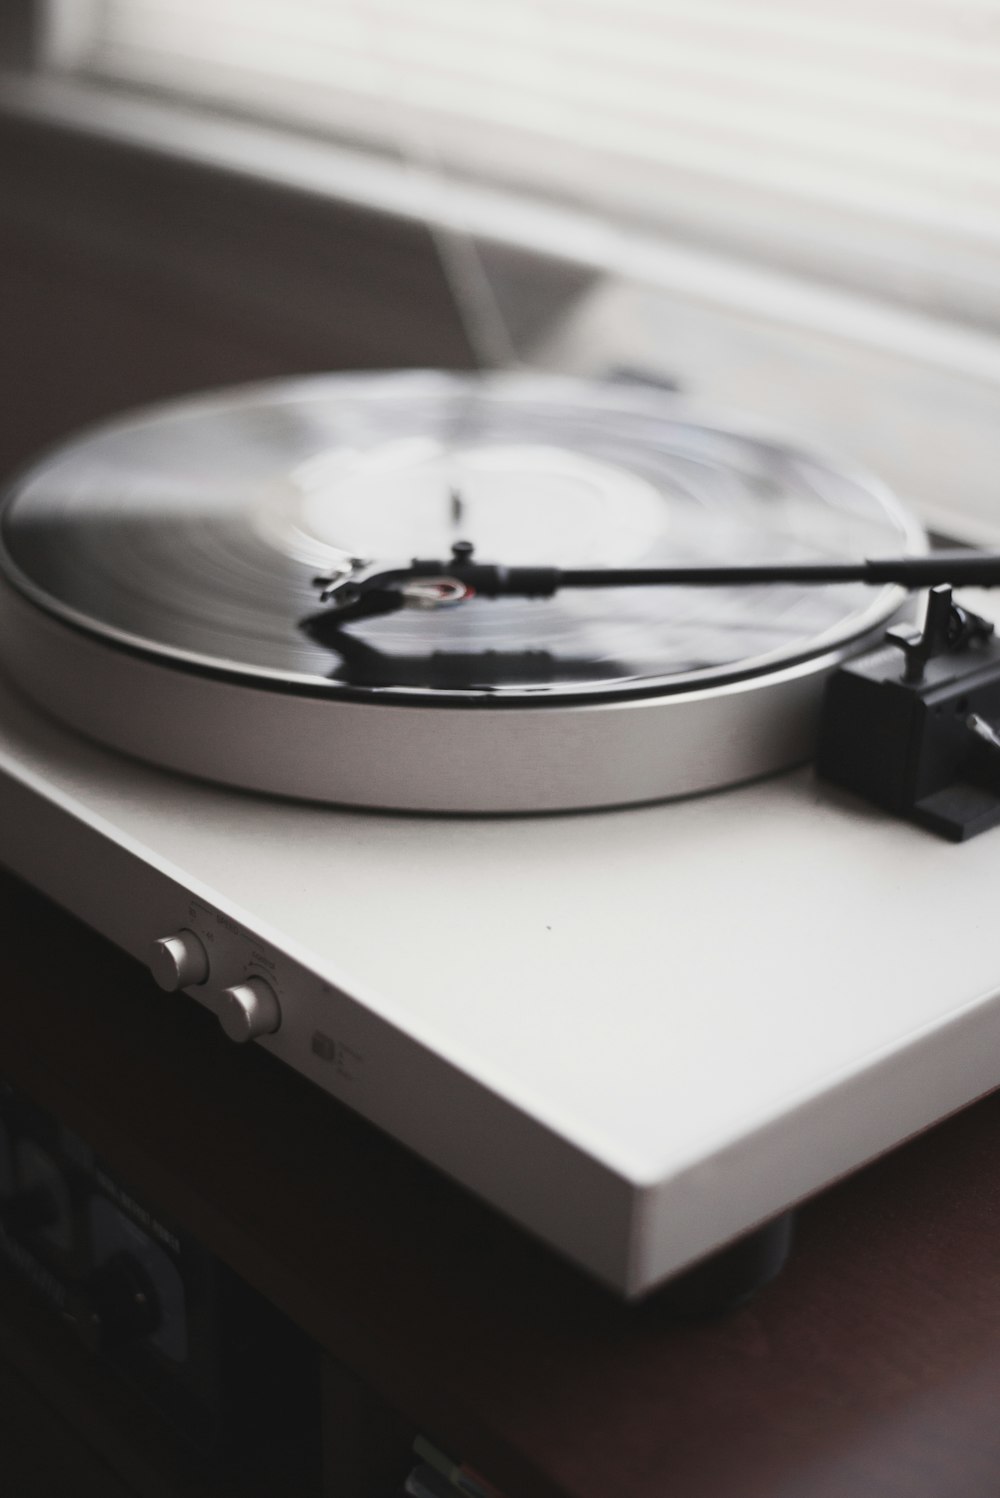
(871, 1366)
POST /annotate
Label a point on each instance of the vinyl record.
(194, 535)
(189, 539)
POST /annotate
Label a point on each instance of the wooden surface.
(872, 1366)
(41, 1454)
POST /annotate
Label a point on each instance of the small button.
(249, 1009)
(178, 961)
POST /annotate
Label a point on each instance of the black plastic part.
(374, 593)
(730, 1277)
(116, 1304)
(897, 728)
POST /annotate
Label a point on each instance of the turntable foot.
(728, 1278)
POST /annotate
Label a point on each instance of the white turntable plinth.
(638, 1033)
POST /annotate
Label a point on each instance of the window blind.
(856, 142)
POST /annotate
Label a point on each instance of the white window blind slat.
(859, 142)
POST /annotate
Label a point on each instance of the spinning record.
(171, 587)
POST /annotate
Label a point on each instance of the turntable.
(305, 679)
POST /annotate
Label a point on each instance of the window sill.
(911, 396)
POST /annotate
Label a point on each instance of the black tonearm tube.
(369, 588)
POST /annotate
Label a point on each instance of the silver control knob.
(178, 961)
(249, 1009)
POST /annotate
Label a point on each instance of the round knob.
(249, 1009)
(178, 961)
